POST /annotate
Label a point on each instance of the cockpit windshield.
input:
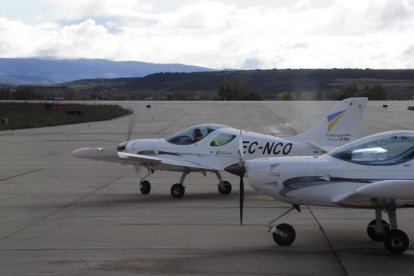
(193, 134)
(382, 149)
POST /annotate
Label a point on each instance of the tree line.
(228, 91)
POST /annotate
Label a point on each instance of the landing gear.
(225, 189)
(283, 234)
(377, 233)
(177, 190)
(395, 241)
(145, 187)
(378, 228)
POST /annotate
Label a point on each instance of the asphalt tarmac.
(60, 215)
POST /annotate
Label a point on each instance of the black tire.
(288, 237)
(177, 190)
(377, 236)
(396, 241)
(225, 189)
(145, 187)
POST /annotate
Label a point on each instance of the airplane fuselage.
(317, 180)
(217, 156)
(325, 180)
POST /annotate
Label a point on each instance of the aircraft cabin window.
(379, 150)
(222, 139)
(193, 134)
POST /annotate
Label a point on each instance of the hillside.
(288, 84)
(267, 83)
(19, 71)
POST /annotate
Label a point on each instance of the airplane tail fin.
(340, 126)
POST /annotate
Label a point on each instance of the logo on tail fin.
(333, 119)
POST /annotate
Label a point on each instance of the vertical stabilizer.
(341, 125)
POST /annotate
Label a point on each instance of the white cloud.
(80, 9)
(370, 33)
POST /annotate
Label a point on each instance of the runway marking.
(21, 174)
(329, 243)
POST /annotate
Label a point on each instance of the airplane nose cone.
(104, 153)
(82, 152)
(235, 169)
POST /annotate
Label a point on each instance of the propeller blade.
(131, 125)
(241, 153)
(241, 198)
(242, 173)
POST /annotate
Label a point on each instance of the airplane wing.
(161, 163)
(370, 195)
(110, 154)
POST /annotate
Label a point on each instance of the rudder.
(340, 126)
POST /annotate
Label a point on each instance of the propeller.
(132, 120)
(131, 124)
(108, 152)
(242, 174)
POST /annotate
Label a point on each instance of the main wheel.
(284, 235)
(396, 241)
(225, 189)
(374, 234)
(177, 190)
(145, 187)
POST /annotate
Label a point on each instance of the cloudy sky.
(246, 34)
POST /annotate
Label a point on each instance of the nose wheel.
(145, 187)
(283, 234)
(225, 188)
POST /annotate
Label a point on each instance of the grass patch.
(410, 108)
(31, 115)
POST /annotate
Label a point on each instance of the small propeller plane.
(214, 147)
(375, 172)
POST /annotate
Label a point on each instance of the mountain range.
(19, 71)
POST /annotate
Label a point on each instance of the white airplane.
(375, 172)
(214, 148)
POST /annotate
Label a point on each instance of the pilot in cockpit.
(197, 135)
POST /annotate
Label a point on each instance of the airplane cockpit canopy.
(389, 148)
(193, 134)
